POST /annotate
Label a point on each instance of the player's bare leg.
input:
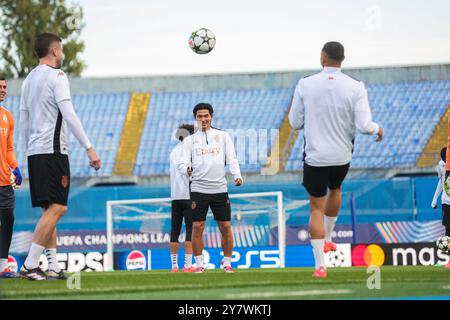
(174, 255)
(317, 232)
(197, 243)
(333, 206)
(43, 235)
(227, 243)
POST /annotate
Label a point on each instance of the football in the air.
(202, 41)
(337, 258)
(443, 243)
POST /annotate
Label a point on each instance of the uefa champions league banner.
(244, 236)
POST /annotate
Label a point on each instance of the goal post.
(246, 209)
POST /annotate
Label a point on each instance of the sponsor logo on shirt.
(205, 151)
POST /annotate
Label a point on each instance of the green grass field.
(257, 284)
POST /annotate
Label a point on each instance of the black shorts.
(446, 215)
(49, 179)
(6, 197)
(181, 209)
(317, 179)
(219, 203)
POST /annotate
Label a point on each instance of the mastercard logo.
(371, 255)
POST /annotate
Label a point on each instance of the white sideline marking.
(285, 294)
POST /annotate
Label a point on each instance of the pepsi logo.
(136, 261)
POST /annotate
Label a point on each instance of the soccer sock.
(199, 261)
(3, 264)
(52, 260)
(329, 223)
(319, 256)
(174, 259)
(6, 231)
(32, 260)
(226, 261)
(188, 260)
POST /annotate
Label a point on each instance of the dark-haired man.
(46, 111)
(329, 105)
(181, 203)
(8, 163)
(205, 155)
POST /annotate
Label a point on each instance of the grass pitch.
(252, 284)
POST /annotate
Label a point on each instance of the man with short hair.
(8, 163)
(205, 155)
(330, 106)
(181, 203)
(46, 111)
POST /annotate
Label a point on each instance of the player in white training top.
(181, 203)
(46, 111)
(330, 106)
(205, 155)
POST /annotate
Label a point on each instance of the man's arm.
(231, 159)
(438, 189)
(363, 115)
(184, 162)
(10, 156)
(297, 112)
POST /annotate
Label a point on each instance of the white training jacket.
(330, 105)
(179, 183)
(209, 152)
(445, 199)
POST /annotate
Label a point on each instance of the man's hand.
(238, 182)
(17, 176)
(379, 135)
(94, 160)
(434, 205)
(189, 171)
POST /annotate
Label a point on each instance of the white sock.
(174, 259)
(199, 261)
(3, 264)
(53, 264)
(226, 261)
(329, 223)
(188, 260)
(319, 256)
(32, 261)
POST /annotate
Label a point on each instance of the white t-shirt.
(209, 152)
(445, 199)
(179, 183)
(330, 105)
(42, 90)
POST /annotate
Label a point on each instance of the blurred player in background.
(445, 199)
(205, 156)
(46, 111)
(181, 203)
(329, 105)
(8, 163)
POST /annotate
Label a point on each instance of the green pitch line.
(290, 283)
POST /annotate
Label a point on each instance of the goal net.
(257, 220)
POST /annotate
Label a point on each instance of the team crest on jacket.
(193, 205)
(5, 118)
(65, 181)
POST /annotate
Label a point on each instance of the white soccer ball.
(202, 41)
(443, 243)
(336, 258)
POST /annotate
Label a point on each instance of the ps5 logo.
(266, 259)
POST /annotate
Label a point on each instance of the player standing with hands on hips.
(330, 106)
(8, 163)
(46, 111)
(205, 155)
